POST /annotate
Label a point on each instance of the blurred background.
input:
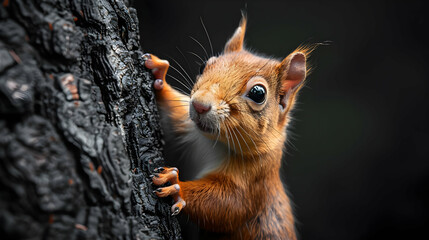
(358, 164)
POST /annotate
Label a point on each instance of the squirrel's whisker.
(190, 82)
(175, 69)
(181, 83)
(207, 34)
(196, 55)
(207, 55)
(187, 63)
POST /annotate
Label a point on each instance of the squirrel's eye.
(202, 66)
(257, 93)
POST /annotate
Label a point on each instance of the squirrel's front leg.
(215, 200)
(171, 101)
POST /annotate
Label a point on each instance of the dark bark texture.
(79, 131)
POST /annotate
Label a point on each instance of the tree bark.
(79, 129)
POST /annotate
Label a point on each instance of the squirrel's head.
(245, 100)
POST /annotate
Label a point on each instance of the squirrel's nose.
(200, 107)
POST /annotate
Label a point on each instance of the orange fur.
(244, 197)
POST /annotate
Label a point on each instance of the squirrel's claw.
(147, 56)
(176, 211)
(159, 170)
(178, 206)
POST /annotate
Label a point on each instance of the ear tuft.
(235, 43)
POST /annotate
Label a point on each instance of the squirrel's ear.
(235, 43)
(293, 70)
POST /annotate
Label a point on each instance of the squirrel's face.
(243, 100)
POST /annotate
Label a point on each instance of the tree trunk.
(79, 130)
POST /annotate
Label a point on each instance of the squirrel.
(241, 103)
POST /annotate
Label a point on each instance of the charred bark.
(79, 130)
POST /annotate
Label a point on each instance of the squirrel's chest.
(275, 221)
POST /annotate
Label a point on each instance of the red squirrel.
(241, 103)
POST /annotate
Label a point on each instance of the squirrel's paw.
(159, 69)
(163, 175)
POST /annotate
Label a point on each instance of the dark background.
(359, 168)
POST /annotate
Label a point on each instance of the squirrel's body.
(240, 104)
